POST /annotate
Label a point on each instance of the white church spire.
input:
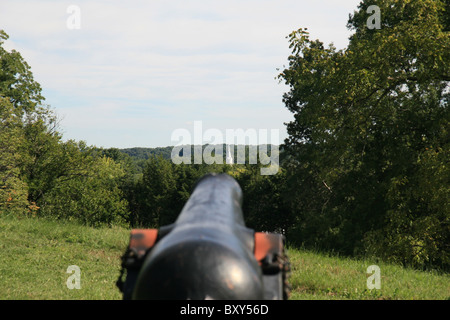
(229, 159)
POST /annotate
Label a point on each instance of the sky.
(131, 73)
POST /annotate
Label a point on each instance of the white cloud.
(154, 65)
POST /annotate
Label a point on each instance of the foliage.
(41, 174)
(157, 198)
(264, 205)
(364, 118)
(418, 232)
(92, 197)
(13, 190)
(16, 81)
(146, 153)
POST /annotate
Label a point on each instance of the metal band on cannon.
(208, 253)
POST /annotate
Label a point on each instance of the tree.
(92, 196)
(158, 197)
(42, 153)
(38, 153)
(158, 186)
(40, 171)
(364, 116)
(13, 190)
(17, 82)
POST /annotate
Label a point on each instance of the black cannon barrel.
(207, 253)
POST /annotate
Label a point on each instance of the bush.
(93, 198)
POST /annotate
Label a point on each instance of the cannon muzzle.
(207, 253)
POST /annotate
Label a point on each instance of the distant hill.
(145, 153)
(140, 153)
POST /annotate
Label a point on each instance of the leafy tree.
(16, 81)
(41, 161)
(159, 196)
(40, 171)
(92, 196)
(264, 199)
(158, 186)
(364, 118)
(38, 150)
(13, 190)
(418, 231)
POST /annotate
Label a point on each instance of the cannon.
(207, 253)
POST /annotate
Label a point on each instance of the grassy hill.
(35, 255)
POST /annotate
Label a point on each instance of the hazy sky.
(135, 71)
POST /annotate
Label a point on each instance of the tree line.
(364, 170)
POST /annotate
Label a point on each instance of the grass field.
(36, 253)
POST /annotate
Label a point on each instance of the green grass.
(317, 276)
(35, 255)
